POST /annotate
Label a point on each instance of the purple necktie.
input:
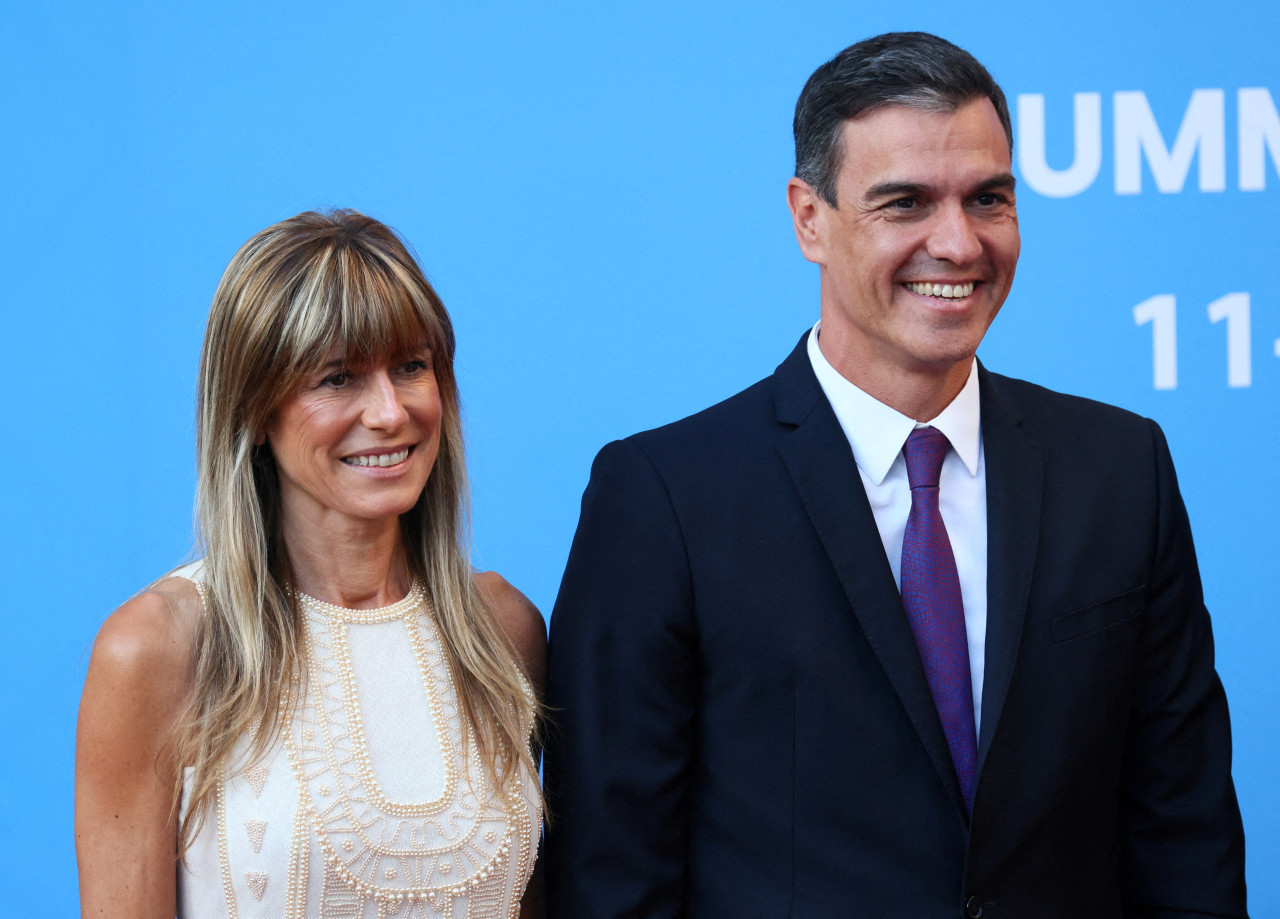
(931, 596)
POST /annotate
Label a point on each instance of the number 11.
(1161, 312)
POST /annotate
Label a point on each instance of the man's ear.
(807, 215)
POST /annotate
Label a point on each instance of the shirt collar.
(877, 432)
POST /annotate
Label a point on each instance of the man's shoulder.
(1039, 405)
(1074, 430)
(729, 417)
(709, 459)
(748, 417)
(730, 438)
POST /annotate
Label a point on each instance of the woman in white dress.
(331, 714)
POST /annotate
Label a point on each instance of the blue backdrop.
(597, 192)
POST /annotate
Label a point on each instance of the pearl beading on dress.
(466, 854)
(418, 858)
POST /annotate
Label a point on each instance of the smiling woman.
(358, 444)
(331, 712)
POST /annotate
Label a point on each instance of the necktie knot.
(925, 450)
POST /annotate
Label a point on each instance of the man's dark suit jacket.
(742, 727)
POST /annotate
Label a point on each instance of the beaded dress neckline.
(416, 598)
(380, 796)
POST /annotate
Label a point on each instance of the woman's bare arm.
(526, 632)
(521, 623)
(138, 681)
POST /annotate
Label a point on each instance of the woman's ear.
(260, 436)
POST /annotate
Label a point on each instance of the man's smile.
(943, 291)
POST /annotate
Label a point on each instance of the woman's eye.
(337, 380)
(415, 367)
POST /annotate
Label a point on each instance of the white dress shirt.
(876, 434)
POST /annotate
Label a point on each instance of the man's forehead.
(906, 144)
(924, 119)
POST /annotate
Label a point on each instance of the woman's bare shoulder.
(155, 629)
(520, 622)
(139, 680)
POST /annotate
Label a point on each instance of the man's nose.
(382, 408)
(953, 236)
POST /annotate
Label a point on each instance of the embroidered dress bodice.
(373, 803)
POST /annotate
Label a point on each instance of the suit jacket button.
(973, 908)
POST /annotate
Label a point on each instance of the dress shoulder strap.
(192, 571)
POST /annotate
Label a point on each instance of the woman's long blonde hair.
(293, 292)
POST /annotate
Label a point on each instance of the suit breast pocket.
(1098, 616)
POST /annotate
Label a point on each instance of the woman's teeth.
(946, 291)
(385, 459)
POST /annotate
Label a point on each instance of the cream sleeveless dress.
(373, 803)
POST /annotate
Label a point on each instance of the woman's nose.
(382, 407)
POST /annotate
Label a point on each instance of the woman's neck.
(356, 564)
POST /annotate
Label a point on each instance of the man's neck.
(919, 392)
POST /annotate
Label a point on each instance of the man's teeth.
(948, 291)
(386, 459)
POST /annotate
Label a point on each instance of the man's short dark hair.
(914, 69)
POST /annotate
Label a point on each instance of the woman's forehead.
(364, 353)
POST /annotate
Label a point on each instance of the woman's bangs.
(381, 325)
(365, 311)
(384, 315)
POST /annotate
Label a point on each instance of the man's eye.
(989, 199)
(904, 204)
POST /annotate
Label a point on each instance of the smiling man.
(888, 634)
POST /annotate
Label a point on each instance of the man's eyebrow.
(1003, 180)
(894, 190)
(910, 189)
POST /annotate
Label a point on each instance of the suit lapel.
(822, 469)
(1015, 482)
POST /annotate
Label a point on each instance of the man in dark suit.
(886, 634)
